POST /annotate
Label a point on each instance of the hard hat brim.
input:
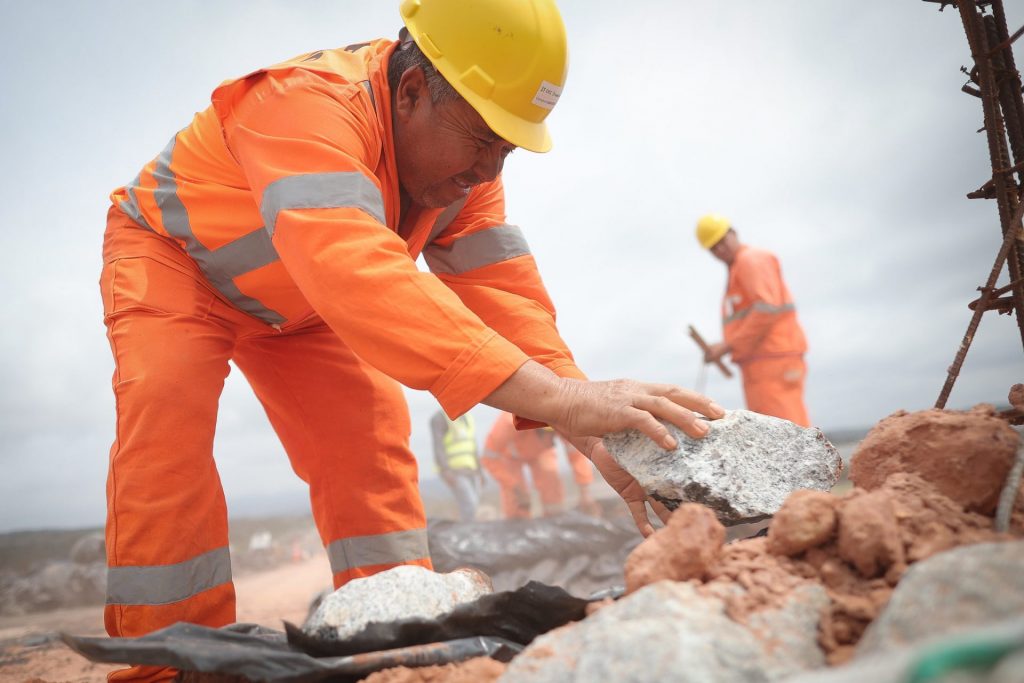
(529, 135)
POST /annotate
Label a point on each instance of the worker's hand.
(623, 483)
(597, 408)
(716, 351)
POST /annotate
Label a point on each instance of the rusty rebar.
(977, 27)
(986, 293)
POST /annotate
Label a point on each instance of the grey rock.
(789, 635)
(965, 587)
(403, 592)
(897, 665)
(743, 469)
(668, 631)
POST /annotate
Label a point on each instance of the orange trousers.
(344, 425)
(511, 477)
(775, 386)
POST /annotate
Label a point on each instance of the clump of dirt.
(476, 670)
(965, 454)
(684, 549)
(806, 520)
(856, 546)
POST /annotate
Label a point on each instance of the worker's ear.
(412, 93)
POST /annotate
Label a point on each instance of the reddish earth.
(476, 670)
(684, 549)
(965, 454)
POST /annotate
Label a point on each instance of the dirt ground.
(30, 650)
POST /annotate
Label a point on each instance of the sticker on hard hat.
(547, 95)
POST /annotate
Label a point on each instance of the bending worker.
(508, 451)
(279, 230)
(760, 326)
(455, 454)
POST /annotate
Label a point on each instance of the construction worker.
(507, 451)
(759, 322)
(455, 454)
(279, 230)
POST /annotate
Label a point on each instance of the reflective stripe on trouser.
(775, 386)
(344, 425)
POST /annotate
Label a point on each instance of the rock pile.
(765, 608)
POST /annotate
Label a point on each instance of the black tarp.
(498, 625)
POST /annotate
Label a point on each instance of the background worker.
(455, 454)
(508, 452)
(759, 322)
(279, 230)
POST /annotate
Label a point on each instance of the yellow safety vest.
(460, 444)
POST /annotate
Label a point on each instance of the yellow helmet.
(507, 58)
(712, 228)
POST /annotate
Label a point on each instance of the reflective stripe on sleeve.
(131, 207)
(164, 584)
(217, 269)
(484, 248)
(343, 189)
(366, 551)
(760, 307)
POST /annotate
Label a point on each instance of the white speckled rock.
(400, 593)
(744, 468)
(667, 631)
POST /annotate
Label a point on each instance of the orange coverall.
(760, 324)
(507, 451)
(268, 232)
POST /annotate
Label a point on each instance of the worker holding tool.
(280, 230)
(508, 452)
(455, 455)
(761, 330)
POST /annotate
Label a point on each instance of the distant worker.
(455, 454)
(507, 451)
(760, 326)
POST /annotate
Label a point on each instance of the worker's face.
(442, 150)
(725, 249)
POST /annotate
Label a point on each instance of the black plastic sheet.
(578, 552)
(498, 625)
(261, 654)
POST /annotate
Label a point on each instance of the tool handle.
(695, 335)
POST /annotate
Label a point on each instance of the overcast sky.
(832, 134)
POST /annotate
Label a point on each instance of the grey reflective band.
(247, 253)
(484, 248)
(342, 189)
(445, 218)
(218, 268)
(164, 584)
(131, 207)
(366, 551)
(760, 307)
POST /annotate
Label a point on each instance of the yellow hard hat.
(507, 58)
(712, 228)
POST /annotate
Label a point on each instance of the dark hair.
(408, 55)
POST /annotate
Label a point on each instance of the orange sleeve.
(759, 278)
(488, 264)
(306, 148)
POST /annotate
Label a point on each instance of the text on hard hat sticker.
(547, 95)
